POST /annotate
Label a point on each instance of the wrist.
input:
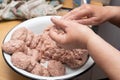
(92, 38)
(86, 38)
(112, 12)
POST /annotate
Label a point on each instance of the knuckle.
(88, 7)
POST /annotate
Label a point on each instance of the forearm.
(114, 13)
(106, 56)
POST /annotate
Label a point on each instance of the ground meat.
(20, 60)
(35, 41)
(40, 70)
(29, 37)
(19, 34)
(31, 65)
(74, 58)
(27, 51)
(40, 55)
(50, 50)
(53, 53)
(13, 46)
(34, 53)
(56, 68)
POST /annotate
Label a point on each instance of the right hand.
(75, 35)
(89, 14)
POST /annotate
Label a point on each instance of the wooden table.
(6, 73)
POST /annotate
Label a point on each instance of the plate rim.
(3, 53)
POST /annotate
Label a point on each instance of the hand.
(89, 14)
(75, 35)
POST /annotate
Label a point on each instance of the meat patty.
(20, 60)
(74, 58)
(13, 46)
(19, 34)
(40, 70)
(56, 68)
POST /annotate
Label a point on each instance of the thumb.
(59, 22)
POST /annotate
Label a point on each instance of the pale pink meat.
(19, 34)
(56, 68)
(31, 65)
(50, 50)
(74, 58)
(29, 37)
(40, 70)
(35, 41)
(20, 60)
(13, 46)
(34, 53)
(29, 51)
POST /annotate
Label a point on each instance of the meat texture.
(19, 34)
(30, 51)
(40, 70)
(51, 50)
(29, 37)
(34, 53)
(56, 68)
(13, 46)
(20, 60)
(35, 41)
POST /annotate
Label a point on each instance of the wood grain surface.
(6, 73)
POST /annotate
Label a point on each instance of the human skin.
(93, 15)
(80, 36)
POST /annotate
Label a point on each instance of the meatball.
(19, 34)
(74, 58)
(56, 68)
(40, 70)
(13, 46)
(20, 60)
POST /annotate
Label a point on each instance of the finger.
(59, 38)
(71, 13)
(59, 22)
(88, 21)
(80, 14)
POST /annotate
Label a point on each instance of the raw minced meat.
(56, 68)
(29, 37)
(20, 60)
(19, 34)
(13, 46)
(30, 50)
(40, 70)
(50, 50)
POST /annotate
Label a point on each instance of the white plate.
(37, 25)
